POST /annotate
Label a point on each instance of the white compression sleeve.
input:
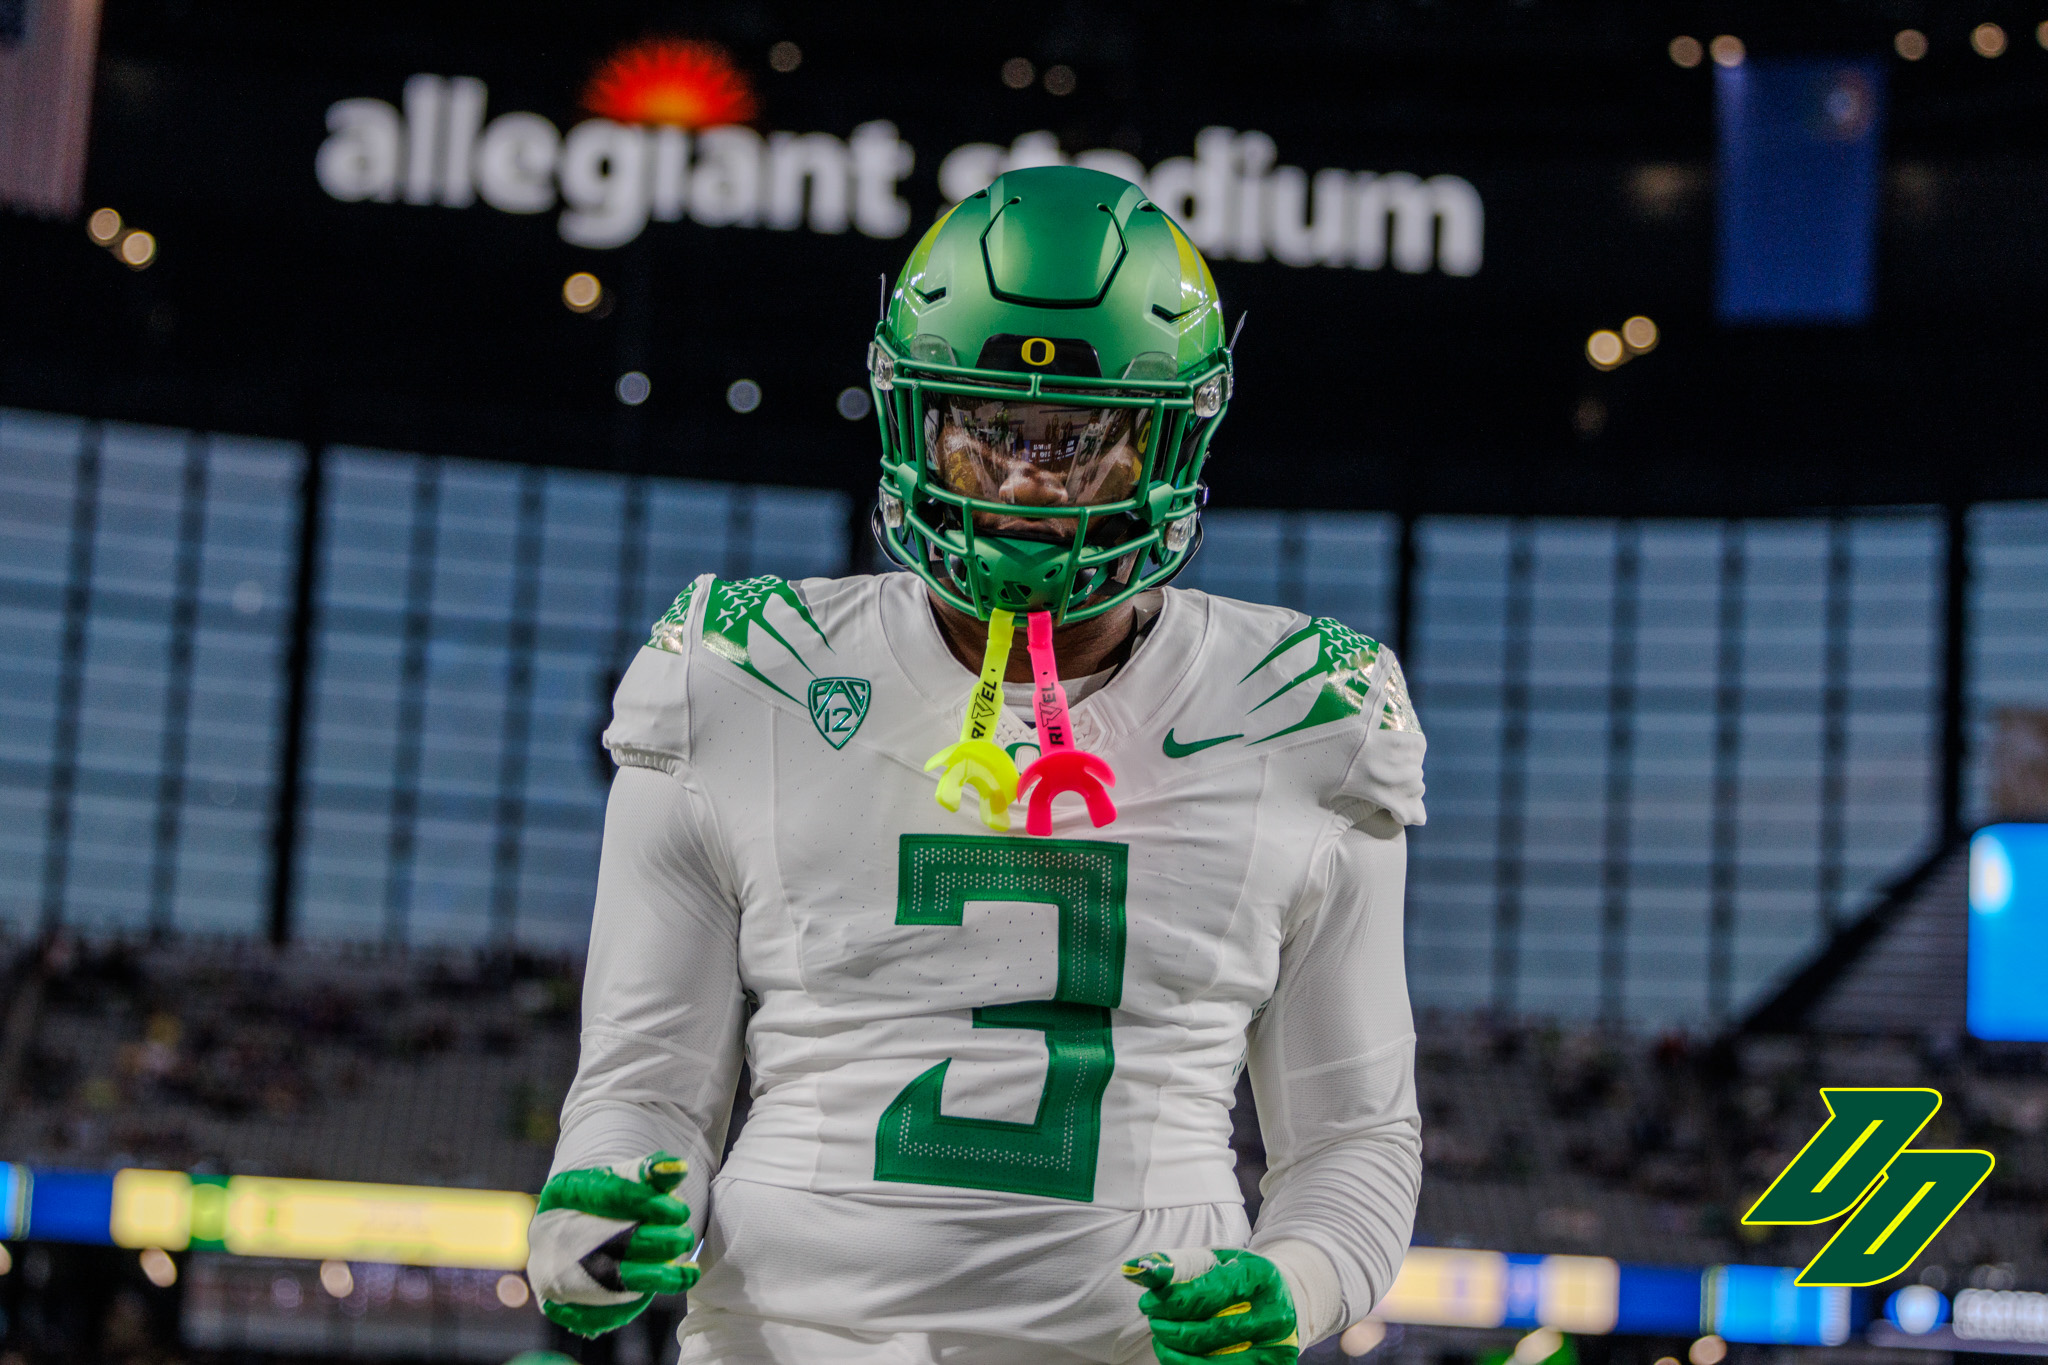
(662, 1003)
(1333, 1070)
(1312, 1284)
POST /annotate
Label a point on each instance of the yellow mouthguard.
(975, 760)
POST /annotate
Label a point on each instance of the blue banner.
(71, 1206)
(1760, 1303)
(14, 1182)
(1799, 163)
(1659, 1300)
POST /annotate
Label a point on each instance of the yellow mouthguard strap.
(986, 705)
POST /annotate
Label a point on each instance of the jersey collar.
(1141, 692)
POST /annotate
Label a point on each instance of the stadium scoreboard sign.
(2002, 1315)
(653, 155)
(267, 1216)
(2005, 1321)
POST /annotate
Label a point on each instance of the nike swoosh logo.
(1174, 749)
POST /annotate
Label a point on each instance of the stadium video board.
(2008, 933)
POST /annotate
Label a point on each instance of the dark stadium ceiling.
(275, 308)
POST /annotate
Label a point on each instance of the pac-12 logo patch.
(838, 706)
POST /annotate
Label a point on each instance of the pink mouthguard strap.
(1060, 766)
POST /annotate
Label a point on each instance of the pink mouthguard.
(1060, 766)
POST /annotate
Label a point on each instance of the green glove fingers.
(1231, 1284)
(656, 1279)
(663, 1171)
(1221, 1335)
(1224, 1302)
(658, 1244)
(639, 1259)
(607, 1194)
(593, 1319)
(1154, 1270)
(1166, 1355)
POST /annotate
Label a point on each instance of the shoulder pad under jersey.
(1335, 700)
(764, 633)
(651, 710)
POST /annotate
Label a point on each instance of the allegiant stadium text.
(437, 147)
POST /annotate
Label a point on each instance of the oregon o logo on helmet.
(1045, 359)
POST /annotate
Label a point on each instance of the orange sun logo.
(666, 80)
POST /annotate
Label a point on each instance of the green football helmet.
(1048, 375)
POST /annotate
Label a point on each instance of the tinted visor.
(1036, 454)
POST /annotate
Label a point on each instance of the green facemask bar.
(1066, 286)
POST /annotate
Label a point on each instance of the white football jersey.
(987, 1067)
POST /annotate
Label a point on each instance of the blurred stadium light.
(271, 1216)
(2008, 1000)
(486, 1229)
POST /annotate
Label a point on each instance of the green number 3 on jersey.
(1054, 1154)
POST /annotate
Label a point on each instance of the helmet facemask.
(1041, 492)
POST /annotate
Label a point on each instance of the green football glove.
(606, 1240)
(1222, 1302)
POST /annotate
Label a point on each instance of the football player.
(993, 1060)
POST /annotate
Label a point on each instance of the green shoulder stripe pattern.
(731, 611)
(1344, 661)
(668, 631)
(734, 609)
